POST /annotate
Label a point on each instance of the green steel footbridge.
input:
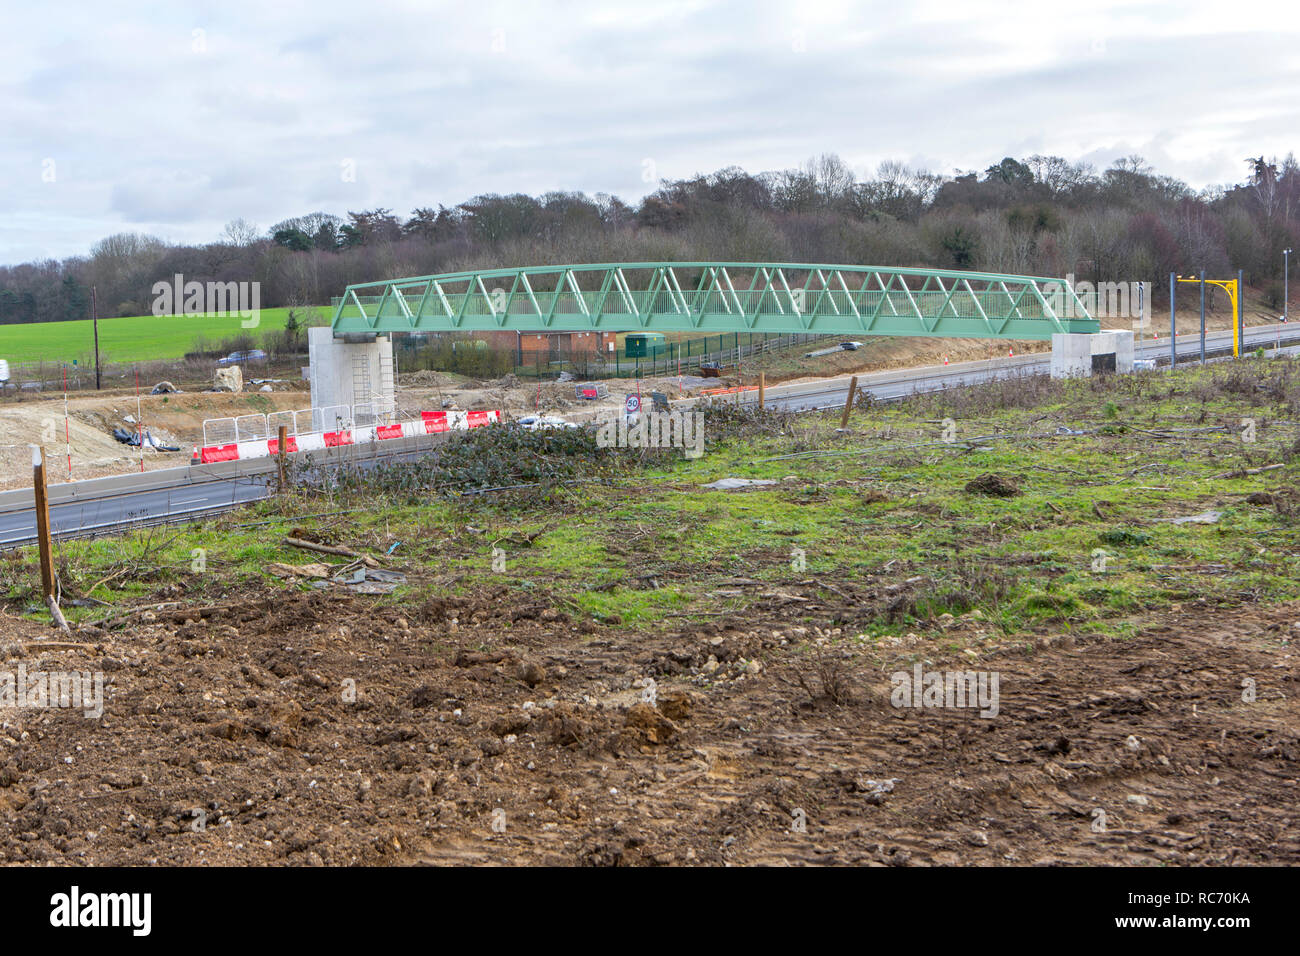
(713, 297)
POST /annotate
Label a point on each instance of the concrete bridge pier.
(1076, 355)
(354, 370)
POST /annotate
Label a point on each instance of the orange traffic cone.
(1011, 353)
(945, 360)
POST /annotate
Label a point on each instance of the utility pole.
(94, 320)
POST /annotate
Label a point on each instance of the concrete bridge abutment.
(1077, 355)
(352, 370)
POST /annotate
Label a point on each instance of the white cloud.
(173, 118)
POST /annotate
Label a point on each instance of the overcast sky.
(173, 118)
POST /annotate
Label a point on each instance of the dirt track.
(512, 708)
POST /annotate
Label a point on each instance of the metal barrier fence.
(306, 421)
(219, 431)
(328, 418)
(250, 427)
(429, 423)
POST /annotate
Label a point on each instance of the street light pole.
(1286, 284)
(1173, 323)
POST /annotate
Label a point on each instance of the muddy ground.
(490, 732)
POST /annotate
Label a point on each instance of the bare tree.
(240, 232)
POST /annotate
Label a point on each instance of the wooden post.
(281, 445)
(762, 389)
(43, 522)
(44, 543)
(848, 402)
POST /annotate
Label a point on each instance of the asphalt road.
(191, 493)
(893, 385)
(100, 514)
(201, 490)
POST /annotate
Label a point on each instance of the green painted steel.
(712, 297)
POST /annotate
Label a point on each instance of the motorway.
(84, 518)
(897, 384)
(103, 505)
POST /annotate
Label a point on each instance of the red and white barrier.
(430, 423)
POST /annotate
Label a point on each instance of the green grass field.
(139, 338)
(149, 338)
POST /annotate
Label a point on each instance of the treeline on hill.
(1041, 216)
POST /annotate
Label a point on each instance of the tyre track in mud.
(491, 732)
(1213, 778)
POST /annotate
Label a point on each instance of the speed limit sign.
(633, 403)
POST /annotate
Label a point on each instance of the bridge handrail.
(631, 266)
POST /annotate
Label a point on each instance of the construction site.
(947, 602)
(444, 444)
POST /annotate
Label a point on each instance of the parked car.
(249, 355)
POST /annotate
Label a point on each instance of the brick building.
(552, 346)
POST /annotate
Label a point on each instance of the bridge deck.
(716, 297)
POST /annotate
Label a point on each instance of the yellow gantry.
(1229, 286)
